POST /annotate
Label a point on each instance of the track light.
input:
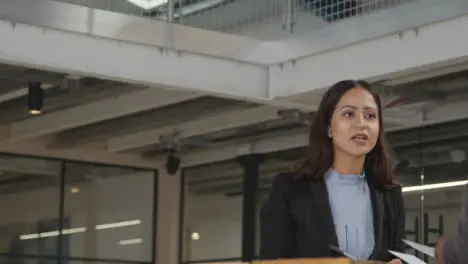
(172, 162)
(35, 98)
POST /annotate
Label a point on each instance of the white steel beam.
(153, 31)
(125, 104)
(88, 55)
(312, 35)
(219, 122)
(401, 54)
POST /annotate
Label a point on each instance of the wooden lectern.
(307, 261)
(318, 261)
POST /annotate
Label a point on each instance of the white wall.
(104, 201)
(217, 219)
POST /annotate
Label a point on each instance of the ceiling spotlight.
(35, 98)
(195, 236)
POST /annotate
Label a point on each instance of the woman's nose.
(360, 121)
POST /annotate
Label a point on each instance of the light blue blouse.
(351, 208)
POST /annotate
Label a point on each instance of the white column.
(167, 240)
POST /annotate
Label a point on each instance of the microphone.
(339, 252)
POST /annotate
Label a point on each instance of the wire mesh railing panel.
(263, 19)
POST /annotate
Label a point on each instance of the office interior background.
(97, 96)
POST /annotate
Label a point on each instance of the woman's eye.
(348, 114)
(371, 116)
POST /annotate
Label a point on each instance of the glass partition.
(434, 172)
(29, 205)
(108, 212)
(212, 220)
(56, 211)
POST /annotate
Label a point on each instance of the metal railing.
(263, 19)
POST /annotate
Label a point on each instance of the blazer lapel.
(378, 206)
(323, 210)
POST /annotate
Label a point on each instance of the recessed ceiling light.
(434, 186)
(148, 4)
(35, 112)
(74, 190)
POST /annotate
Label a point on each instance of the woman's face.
(354, 127)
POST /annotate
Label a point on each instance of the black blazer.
(296, 220)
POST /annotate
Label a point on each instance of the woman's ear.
(329, 132)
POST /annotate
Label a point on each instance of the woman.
(343, 196)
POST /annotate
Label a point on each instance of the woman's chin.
(359, 153)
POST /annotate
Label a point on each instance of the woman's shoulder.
(288, 181)
(394, 191)
(394, 197)
(282, 181)
(287, 178)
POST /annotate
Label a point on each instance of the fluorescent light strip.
(148, 4)
(74, 230)
(119, 224)
(434, 186)
(53, 233)
(79, 230)
(131, 241)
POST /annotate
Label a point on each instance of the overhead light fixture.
(131, 241)
(434, 186)
(35, 98)
(53, 233)
(148, 4)
(78, 230)
(118, 224)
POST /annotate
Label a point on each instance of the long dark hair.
(319, 154)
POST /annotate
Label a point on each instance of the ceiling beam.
(291, 140)
(405, 36)
(102, 52)
(236, 119)
(167, 116)
(38, 149)
(216, 123)
(125, 104)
